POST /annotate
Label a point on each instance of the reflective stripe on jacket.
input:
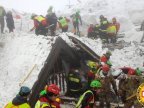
(41, 104)
(74, 79)
(10, 105)
(78, 105)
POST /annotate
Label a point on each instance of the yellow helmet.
(91, 64)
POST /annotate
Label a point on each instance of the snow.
(21, 50)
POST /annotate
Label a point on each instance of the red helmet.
(103, 59)
(54, 89)
(105, 68)
(131, 72)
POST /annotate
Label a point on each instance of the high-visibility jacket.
(40, 104)
(117, 26)
(111, 29)
(91, 64)
(63, 22)
(2, 12)
(78, 105)
(24, 105)
(41, 20)
(74, 81)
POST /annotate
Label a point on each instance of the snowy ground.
(20, 51)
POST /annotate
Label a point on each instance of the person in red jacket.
(90, 31)
(48, 100)
(40, 25)
(104, 59)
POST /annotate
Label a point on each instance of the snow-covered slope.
(128, 12)
(18, 54)
(21, 50)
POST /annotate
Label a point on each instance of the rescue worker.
(48, 100)
(52, 19)
(74, 83)
(122, 78)
(104, 59)
(91, 31)
(76, 19)
(10, 21)
(115, 27)
(87, 99)
(129, 81)
(97, 30)
(2, 22)
(132, 84)
(107, 80)
(40, 25)
(103, 28)
(111, 32)
(57, 101)
(131, 71)
(117, 24)
(20, 101)
(93, 67)
(63, 23)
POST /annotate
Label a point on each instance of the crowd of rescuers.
(106, 30)
(50, 23)
(97, 84)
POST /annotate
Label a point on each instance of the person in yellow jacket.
(20, 101)
(63, 23)
(111, 31)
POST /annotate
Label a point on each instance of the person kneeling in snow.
(20, 101)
